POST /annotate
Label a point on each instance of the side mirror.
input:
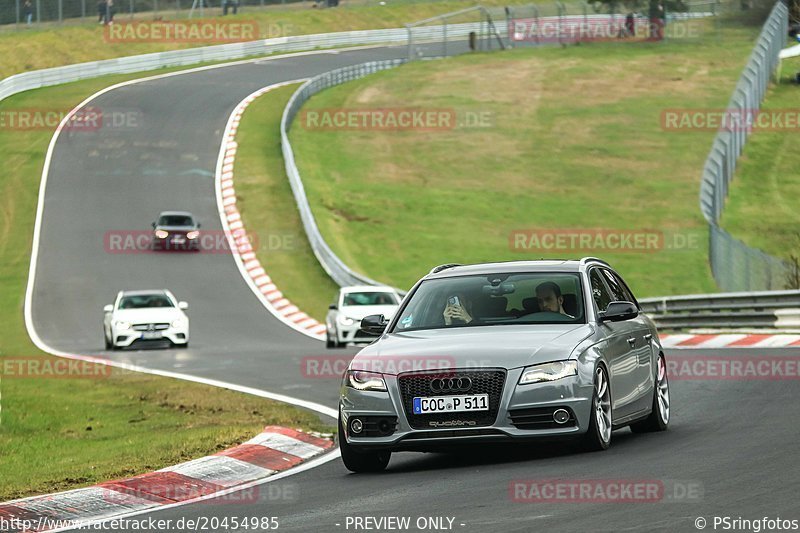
(619, 311)
(183, 305)
(154, 225)
(108, 308)
(374, 324)
(333, 307)
(199, 224)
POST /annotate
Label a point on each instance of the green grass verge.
(266, 203)
(762, 206)
(65, 433)
(575, 141)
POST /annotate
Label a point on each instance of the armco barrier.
(178, 58)
(335, 267)
(764, 309)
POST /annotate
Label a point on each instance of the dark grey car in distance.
(176, 231)
(502, 352)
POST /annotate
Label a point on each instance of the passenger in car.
(548, 295)
(458, 310)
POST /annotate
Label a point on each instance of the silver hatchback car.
(504, 352)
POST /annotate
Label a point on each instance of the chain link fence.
(734, 265)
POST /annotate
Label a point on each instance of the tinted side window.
(629, 297)
(599, 291)
(617, 294)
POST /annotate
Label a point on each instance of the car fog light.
(356, 425)
(561, 416)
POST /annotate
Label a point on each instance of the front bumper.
(521, 409)
(353, 333)
(129, 337)
(176, 243)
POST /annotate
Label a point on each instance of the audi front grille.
(418, 384)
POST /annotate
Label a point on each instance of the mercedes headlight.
(549, 372)
(162, 234)
(193, 235)
(361, 380)
(179, 323)
(121, 324)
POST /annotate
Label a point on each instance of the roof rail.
(445, 266)
(594, 260)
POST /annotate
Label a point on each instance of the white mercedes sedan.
(351, 305)
(145, 319)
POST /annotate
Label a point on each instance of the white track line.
(37, 340)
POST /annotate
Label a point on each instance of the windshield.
(175, 220)
(369, 298)
(497, 299)
(142, 301)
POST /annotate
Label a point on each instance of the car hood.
(489, 346)
(358, 312)
(150, 314)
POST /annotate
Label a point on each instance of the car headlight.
(346, 320)
(162, 234)
(549, 372)
(361, 380)
(193, 234)
(121, 324)
(179, 323)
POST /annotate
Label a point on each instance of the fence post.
(83, 10)
(38, 12)
(17, 23)
(60, 11)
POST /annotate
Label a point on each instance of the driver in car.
(548, 294)
(458, 310)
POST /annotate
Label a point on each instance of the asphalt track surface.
(731, 443)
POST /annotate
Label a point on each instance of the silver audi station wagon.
(503, 352)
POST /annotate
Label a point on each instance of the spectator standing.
(630, 25)
(234, 4)
(109, 11)
(27, 10)
(101, 11)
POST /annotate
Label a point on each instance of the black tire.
(330, 342)
(109, 346)
(658, 420)
(361, 462)
(593, 440)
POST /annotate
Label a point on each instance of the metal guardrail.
(764, 309)
(734, 265)
(335, 267)
(178, 58)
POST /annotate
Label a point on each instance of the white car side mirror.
(108, 308)
(183, 305)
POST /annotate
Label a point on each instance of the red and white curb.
(242, 248)
(274, 450)
(729, 340)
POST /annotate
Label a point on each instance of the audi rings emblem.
(457, 384)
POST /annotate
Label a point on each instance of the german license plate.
(151, 335)
(451, 404)
(178, 239)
